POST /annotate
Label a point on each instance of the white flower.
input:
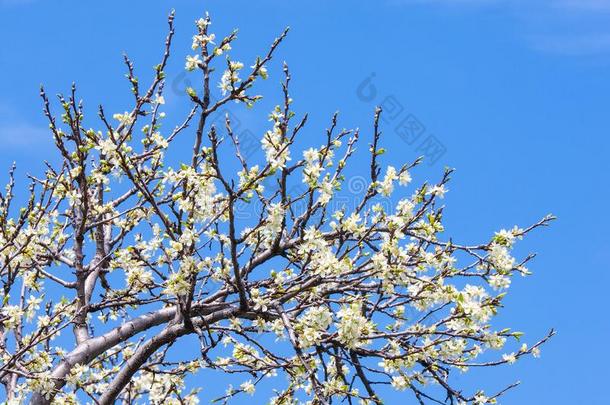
(138, 279)
(438, 190)
(480, 399)
(260, 302)
(159, 99)
(178, 282)
(43, 383)
(326, 192)
(248, 387)
(273, 223)
(311, 155)
(106, 146)
(510, 358)
(313, 324)
(203, 22)
(202, 40)
(33, 305)
(230, 76)
(276, 147)
(536, 352)
(351, 224)
(124, 119)
(192, 62)
(507, 238)
(386, 187)
(404, 178)
(12, 315)
(159, 140)
(353, 327)
(219, 50)
(312, 169)
(262, 71)
(500, 258)
(405, 207)
(400, 382)
(499, 282)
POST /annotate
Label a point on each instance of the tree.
(133, 255)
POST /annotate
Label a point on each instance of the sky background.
(514, 93)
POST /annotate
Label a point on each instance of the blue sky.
(516, 93)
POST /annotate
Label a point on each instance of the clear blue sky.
(517, 92)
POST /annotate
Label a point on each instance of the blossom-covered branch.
(133, 254)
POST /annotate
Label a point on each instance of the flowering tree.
(132, 255)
